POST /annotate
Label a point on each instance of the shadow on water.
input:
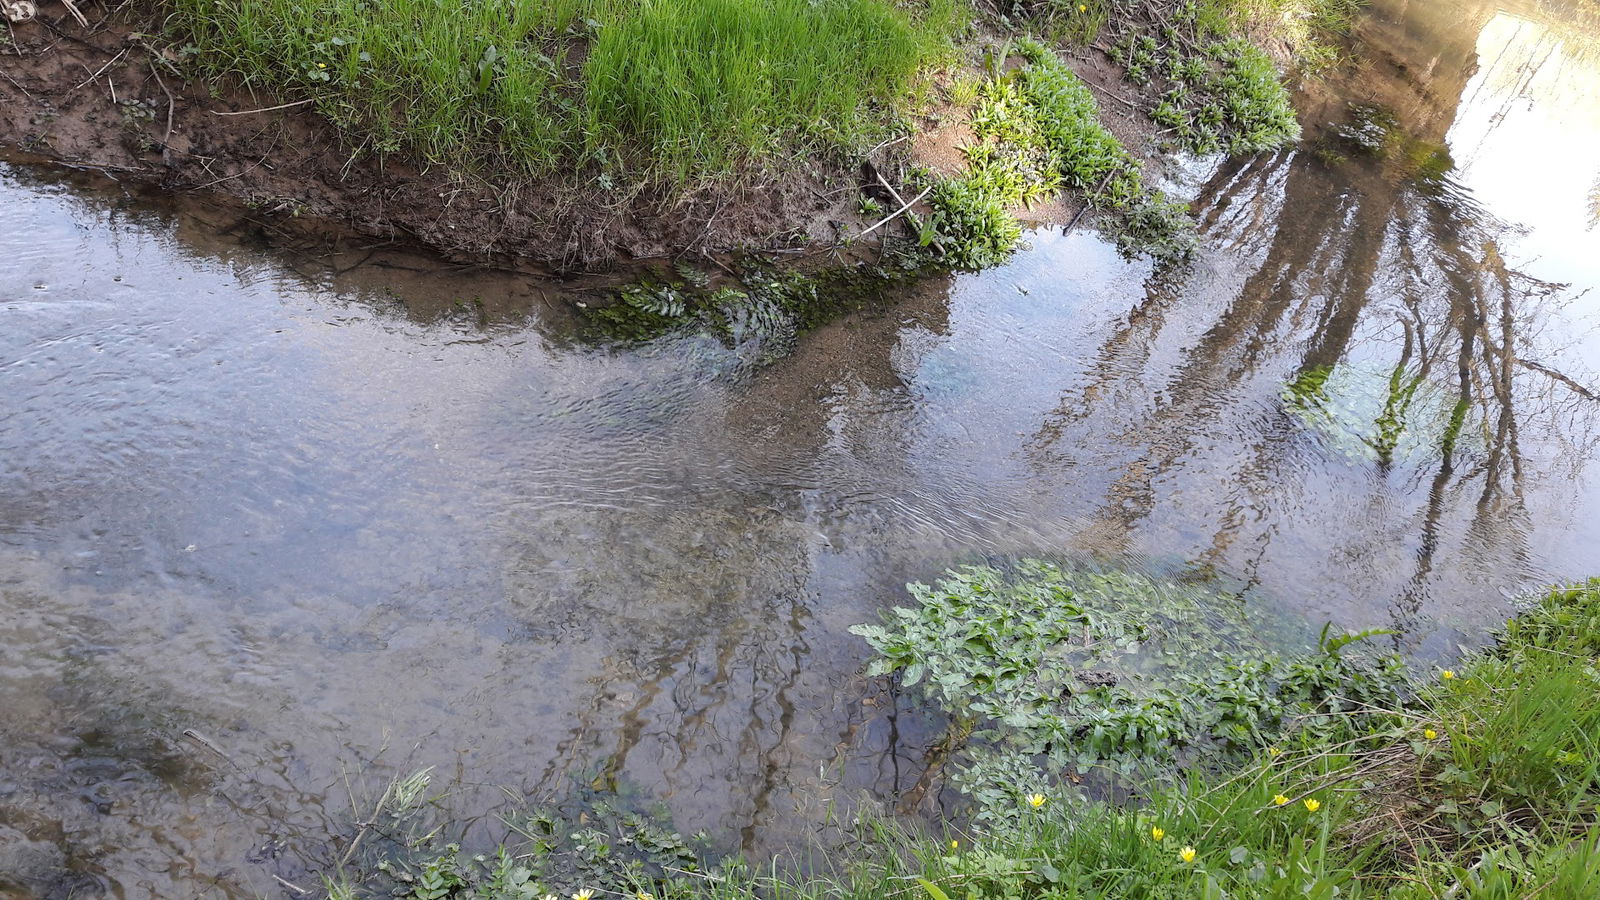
(275, 527)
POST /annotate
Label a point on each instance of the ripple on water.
(343, 537)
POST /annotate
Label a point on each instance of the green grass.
(705, 85)
(1304, 28)
(664, 90)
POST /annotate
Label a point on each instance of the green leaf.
(933, 890)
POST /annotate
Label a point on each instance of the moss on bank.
(1482, 782)
(767, 310)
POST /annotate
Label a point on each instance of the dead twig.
(19, 87)
(1087, 202)
(889, 142)
(203, 741)
(249, 112)
(109, 64)
(1112, 94)
(887, 186)
(890, 217)
(166, 139)
(76, 13)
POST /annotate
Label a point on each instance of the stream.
(276, 528)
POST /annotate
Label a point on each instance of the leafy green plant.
(1415, 794)
(438, 877)
(1037, 132)
(1046, 671)
(971, 227)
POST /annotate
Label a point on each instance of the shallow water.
(342, 521)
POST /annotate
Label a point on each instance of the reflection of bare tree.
(1373, 277)
(1594, 203)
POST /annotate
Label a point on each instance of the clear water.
(340, 521)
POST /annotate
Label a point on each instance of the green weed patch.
(1038, 132)
(1214, 93)
(1048, 672)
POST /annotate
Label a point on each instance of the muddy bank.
(104, 97)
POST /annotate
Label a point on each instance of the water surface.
(344, 520)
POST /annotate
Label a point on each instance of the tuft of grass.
(1304, 29)
(704, 86)
(673, 91)
(1523, 723)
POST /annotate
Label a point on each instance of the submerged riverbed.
(274, 528)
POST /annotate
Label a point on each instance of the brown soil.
(100, 97)
(103, 97)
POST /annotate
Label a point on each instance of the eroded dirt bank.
(104, 96)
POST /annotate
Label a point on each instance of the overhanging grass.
(677, 90)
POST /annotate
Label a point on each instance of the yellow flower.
(1274, 752)
(1280, 799)
(954, 843)
(322, 65)
(1186, 854)
(642, 896)
(1429, 733)
(1447, 674)
(1157, 833)
(1036, 800)
(1313, 804)
(584, 894)
(1082, 8)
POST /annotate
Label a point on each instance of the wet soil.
(104, 97)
